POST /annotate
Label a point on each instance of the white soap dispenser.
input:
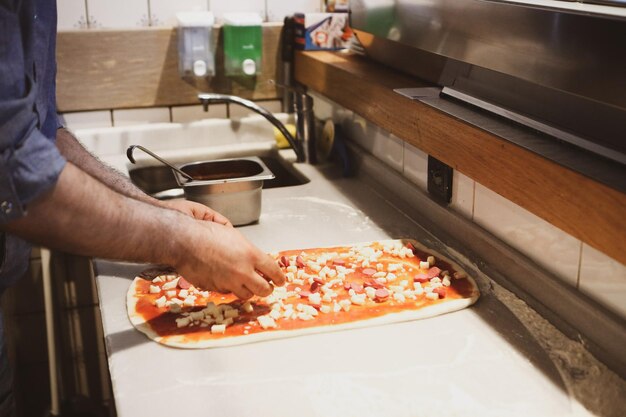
(195, 44)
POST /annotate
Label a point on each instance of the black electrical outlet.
(439, 180)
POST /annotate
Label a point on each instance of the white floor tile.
(550, 247)
(87, 119)
(416, 165)
(129, 117)
(603, 278)
(186, 114)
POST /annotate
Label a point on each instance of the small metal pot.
(229, 186)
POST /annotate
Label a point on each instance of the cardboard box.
(322, 31)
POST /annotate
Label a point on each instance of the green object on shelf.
(243, 45)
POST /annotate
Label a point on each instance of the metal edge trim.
(265, 174)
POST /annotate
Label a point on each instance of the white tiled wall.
(175, 114)
(278, 9)
(577, 264)
(118, 14)
(415, 166)
(129, 117)
(236, 111)
(163, 12)
(550, 247)
(463, 191)
(219, 7)
(71, 14)
(87, 119)
(80, 14)
(603, 278)
(377, 141)
(186, 114)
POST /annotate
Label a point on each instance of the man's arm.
(76, 153)
(83, 216)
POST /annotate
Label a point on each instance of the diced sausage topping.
(358, 288)
(183, 284)
(373, 283)
(315, 286)
(433, 272)
(381, 294)
(421, 278)
(339, 261)
(440, 291)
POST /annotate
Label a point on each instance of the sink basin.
(159, 181)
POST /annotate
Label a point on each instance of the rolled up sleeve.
(30, 163)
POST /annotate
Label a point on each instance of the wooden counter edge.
(578, 205)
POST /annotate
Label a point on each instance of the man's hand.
(96, 221)
(220, 258)
(196, 210)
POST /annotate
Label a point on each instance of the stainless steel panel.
(561, 68)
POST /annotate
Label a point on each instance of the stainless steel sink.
(159, 181)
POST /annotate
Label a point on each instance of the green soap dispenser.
(243, 44)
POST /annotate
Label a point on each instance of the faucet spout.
(211, 98)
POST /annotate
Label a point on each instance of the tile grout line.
(87, 20)
(473, 197)
(580, 263)
(149, 13)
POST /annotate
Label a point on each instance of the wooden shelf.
(584, 208)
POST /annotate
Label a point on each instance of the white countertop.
(478, 361)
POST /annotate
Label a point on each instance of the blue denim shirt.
(30, 163)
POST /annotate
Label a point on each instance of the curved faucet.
(212, 98)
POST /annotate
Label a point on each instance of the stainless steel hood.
(560, 63)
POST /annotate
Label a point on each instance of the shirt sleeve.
(30, 163)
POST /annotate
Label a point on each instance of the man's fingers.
(270, 270)
(215, 217)
(259, 286)
(243, 293)
(218, 218)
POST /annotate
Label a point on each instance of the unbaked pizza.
(327, 289)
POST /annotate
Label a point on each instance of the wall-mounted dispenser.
(243, 44)
(195, 44)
